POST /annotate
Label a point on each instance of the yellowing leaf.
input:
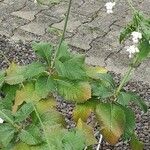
(111, 118)
(14, 74)
(94, 72)
(84, 110)
(77, 92)
(26, 94)
(88, 132)
(46, 104)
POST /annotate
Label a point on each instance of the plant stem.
(63, 34)
(42, 125)
(9, 120)
(124, 80)
(131, 5)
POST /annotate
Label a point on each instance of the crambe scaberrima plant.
(29, 119)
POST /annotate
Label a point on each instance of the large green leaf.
(72, 69)
(15, 74)
(84, 110)
(31, 136)
(6, 134)
(24, 112)
(44, 50)
(77, 91)
(144, 47)
(44, 85)
(136, 144)
(46, 105)
(130, 123)
(111, 118)
(26, 94)
(125, 97)
(9, 92)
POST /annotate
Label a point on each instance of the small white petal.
(109, 11)
(137, 35)
(135, 40)
(132, 49)
(35, 1)
(109, 6)
(1, 120)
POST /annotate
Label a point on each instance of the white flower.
(132, 49)
(35, 1)
(109, 7)
(136, 36)
(1, 120)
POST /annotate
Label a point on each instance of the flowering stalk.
(63, 34)
(126, 76)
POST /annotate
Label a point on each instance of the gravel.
(22, 54)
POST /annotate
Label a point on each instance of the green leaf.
(77, 92)
(84, 110)
(44, 50)
(74, 140)
(15, 74)
(87, 131)
(2, 78)
(46, 105)
(24, 112)
(34, 69)
(52, 117)
(130, 123)
(31, 136)
(111, 118)
(44, 85)
(136, 144)
(72, 69)
(94, 72)
(21, 146)
(7, 113)
(9, 92)
(144, 47)
(26, 94)
(124, 98)
(6, 134)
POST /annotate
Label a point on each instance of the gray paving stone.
(33, 27)
(29, 15)
(84, 36)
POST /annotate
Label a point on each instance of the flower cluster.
(1, 120)
(109, 6)
(136, 36)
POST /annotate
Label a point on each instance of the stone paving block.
(12, 23)
(28, 15)
(35, 28)
(46, 20)
(84, 36)
(89, 7)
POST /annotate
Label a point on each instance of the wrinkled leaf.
(6, 134)
(46, 105)
(44, 50)
(26, 94)
(77, 92)
(31, 136)
(111, 118)
(44, 85)
(24, 112)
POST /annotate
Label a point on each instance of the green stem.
(124, 80)
(131, 5)
(9, 120)
(42, 125)
(63, 34)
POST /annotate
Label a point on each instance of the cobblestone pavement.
(90, 29)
